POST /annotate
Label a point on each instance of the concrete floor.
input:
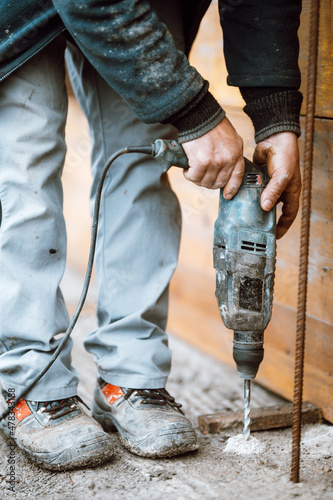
(203, 385)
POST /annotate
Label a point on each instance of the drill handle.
(169, 154)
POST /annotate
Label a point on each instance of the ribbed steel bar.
(304, 240)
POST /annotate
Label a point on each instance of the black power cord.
(167, 153)
(132, 149)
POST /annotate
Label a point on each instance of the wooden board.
(262, 419)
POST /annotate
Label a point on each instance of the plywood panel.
(276, 371)
(321, 244)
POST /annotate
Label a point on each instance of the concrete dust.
(237, 444)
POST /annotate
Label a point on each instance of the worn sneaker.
(149, 421)
(57, 435)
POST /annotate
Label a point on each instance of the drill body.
(244, 259)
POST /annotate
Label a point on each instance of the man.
(122, 48)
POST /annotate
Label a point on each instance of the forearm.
(135, 54)
(261, 50)
(260, 42)
(272, 110)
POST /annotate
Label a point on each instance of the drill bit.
(247, 399)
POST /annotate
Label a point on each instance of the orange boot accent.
(21, 410)
(112, 393)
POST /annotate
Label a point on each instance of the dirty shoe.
(149, 421)
(57, 435)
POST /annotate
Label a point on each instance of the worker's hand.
(216, 159)
(280, 152)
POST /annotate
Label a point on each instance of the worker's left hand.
(280, 152)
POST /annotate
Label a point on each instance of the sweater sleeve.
(261, 50)
(272, 110)
(134, 52)
(261, 45)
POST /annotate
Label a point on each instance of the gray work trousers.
(138, 236)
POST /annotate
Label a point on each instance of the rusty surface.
(265, 418)
(304, 242)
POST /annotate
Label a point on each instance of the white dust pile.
(237, 444)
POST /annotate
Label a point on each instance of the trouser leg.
(32, 235)
(138, 238)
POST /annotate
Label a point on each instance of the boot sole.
(83, 459)
(70, 462)
(187, 439)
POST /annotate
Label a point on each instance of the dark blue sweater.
(128, 45)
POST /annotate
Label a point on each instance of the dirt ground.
(203, 385)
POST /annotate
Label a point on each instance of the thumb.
(274, 189)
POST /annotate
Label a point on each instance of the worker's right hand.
(216, 159)
(280, 152)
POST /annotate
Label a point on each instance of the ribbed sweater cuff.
(278, 112)
(198, 117)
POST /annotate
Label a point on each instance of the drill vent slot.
(252, 179)
(250, 246)
(247, 245)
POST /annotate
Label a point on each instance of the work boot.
(57, 435)
(149, 421)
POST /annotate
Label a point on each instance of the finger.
(195, 174)
(216, 178)
(273, 191)
(212, 174)
(235, 180)
(289, 213)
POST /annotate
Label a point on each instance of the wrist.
(273, 110)
(198, 117)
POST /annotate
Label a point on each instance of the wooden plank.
(277, 369)
(324, 93)
(262, 419)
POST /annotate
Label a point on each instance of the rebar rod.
(304, 240)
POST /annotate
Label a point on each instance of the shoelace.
(155, 397)
(57, 409)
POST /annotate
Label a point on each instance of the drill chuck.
(248, 353)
